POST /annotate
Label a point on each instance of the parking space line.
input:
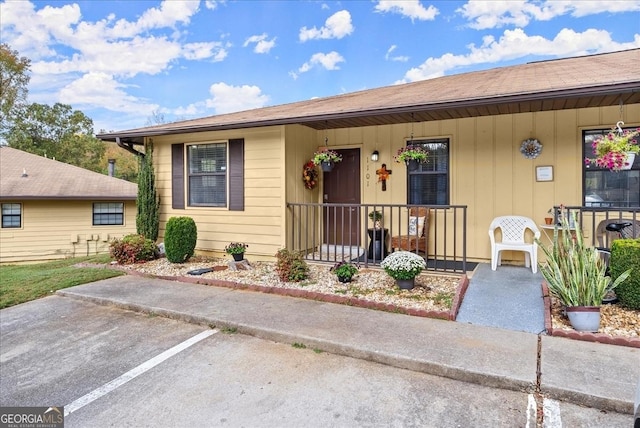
(551, 410)
(135, 372)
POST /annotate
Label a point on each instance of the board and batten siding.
(57, 229)
(261, 222)
(488, 173)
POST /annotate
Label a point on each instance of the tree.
(126, 163)
(57, 132)
(148, 216)
(14, 79)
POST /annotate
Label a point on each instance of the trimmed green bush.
(133, 249)
(290, 266)
(625, 254)
(180, 239)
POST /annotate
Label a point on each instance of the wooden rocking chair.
(417, 238)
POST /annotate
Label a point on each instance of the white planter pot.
(584, 318)
(630, 158)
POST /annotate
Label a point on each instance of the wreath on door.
(310, 175)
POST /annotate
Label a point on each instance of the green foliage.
(23, 283)
(625, 255)
(236, 248)
(57, 132)
(148, 216)
(180, 239)
(344, 270)
(290, 266)
(574, 272)
(14, 78)
(132, 249)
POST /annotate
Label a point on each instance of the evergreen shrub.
(625, 254)
(180, 239)
(132, 248)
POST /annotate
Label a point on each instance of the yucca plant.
(575, 273)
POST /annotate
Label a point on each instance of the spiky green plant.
(575, 273)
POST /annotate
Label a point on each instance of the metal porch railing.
(337, 232)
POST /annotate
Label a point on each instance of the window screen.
(108, 213)
(207, 168)
(429, 184)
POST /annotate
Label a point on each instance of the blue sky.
(121, 61)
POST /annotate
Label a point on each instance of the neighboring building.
(236, 174)
(53, 210)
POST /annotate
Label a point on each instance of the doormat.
(337, 253)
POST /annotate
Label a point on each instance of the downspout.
(128, 147)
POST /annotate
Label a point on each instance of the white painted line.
(135, 372)
(551, 411)
(532, 412)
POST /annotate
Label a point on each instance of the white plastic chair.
(513, 230)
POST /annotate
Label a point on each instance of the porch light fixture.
(375, 156)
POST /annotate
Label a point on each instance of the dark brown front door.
(342, 186)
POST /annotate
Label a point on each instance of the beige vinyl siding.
(261, 224)
(60, 228)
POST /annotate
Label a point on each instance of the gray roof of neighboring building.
(49, 179)
(579, 82)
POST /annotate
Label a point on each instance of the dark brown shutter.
(177, 175)
(236, 175)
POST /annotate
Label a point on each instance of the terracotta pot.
(548, 220)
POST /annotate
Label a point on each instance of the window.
(207, 169)
(604, 188)
(108, 213)
(429, 184)
(11, 215)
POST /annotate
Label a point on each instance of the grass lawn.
(22, 283)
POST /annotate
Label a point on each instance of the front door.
(342, 186)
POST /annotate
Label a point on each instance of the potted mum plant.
(411, 155)
(344, 271)
(403, 266)
(576, 275)
(615, 151)
(236, 249)
(326, 159)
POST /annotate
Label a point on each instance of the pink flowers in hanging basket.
(614, 149)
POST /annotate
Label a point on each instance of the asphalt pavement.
(584, 373)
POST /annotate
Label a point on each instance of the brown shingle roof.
(587, 81)
(50, 179)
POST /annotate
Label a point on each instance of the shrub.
(132, 249)
(290, 266)
(180, 239)
(625, 254)
(344, 270)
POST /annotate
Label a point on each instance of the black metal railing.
(337, 232)
(594, 220)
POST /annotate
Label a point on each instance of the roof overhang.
(601, 96)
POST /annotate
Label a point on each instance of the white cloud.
(262, 44)
(409, 8)
(329, 61)
(213, 4)
(399, 58)
(100, 89)
(228, 99)
(496, 14)
(198, 51)
(517, 44)
(336, 26)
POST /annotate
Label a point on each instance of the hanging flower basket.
(411, 153)
(531, 148)
(615, 151)
(329, 156)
